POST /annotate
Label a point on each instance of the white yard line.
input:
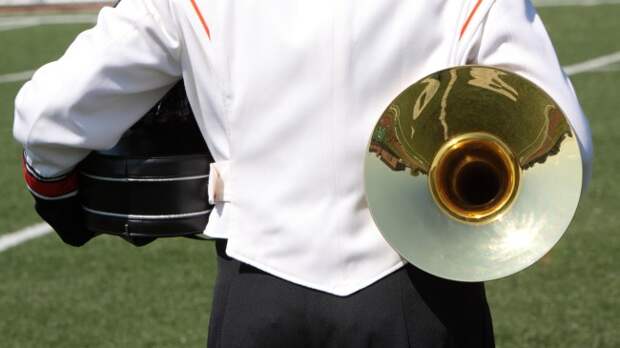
(559, 3)
(16, 77)
(9, 23)
(16, 26)
(594, 64)
(609, 68)
(10, 240)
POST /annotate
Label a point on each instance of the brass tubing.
(474, 177)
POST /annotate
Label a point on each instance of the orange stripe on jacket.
(202, 19)
(471, 15)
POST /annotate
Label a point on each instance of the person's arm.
(109, 77)
(511, 35)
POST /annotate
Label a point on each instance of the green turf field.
(110, 294)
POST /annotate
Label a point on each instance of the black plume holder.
(153, 183)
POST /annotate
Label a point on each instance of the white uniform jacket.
(286, 94)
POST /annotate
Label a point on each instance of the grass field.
(109, 294)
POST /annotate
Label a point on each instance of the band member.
(286, 94)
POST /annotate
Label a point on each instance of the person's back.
(286, 95)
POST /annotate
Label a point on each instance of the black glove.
(57, 203)
(66, 217)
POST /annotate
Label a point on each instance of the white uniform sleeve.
(512, 36)
(107, 79)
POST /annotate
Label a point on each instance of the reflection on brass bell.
(472, 173)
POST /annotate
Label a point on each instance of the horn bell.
(472, 173)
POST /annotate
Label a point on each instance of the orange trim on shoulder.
(202, 19)
(471, 15)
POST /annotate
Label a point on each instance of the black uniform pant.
(408, 308)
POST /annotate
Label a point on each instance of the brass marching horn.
(473, 173)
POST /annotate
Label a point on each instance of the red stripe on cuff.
(50, 189)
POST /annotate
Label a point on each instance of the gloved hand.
(57, 202)
(66, 217)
